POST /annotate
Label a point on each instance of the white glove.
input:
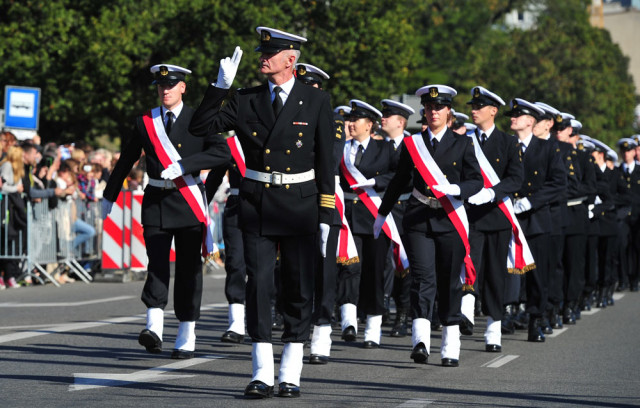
(591, 207)
(368, 183)
(324, 235)
(448, 189)
(228, 69)
(521, 206)
(591, 215)
(377, 225)
(486, 195)
(597, 200)
(173, 171)
(106, 208)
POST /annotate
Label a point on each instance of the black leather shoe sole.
(370, 345)
(318, 359)
(419, 354)
(150, 341)
(258, 389)
(178, 354)
(286, 390)
(493, 348)
(349, 334)
(232, 337)
(449, 362)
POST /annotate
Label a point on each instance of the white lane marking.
(593, 310)
(65, 327)
(618, 296)
(87, 381)
(556, 332)
(66, 304)
(500, 361)
(416, 403)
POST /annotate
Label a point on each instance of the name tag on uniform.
(300, 123)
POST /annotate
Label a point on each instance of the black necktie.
(277, 101)
(521, 147)
(483, 139)
(169, 122)
(434, 143)
(358, 156)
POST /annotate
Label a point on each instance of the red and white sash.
(187, 185)
(432, 175)
(346, 253)
(372, 201)
(520, 259)
(237, 153)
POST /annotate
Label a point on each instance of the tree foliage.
(92, 59)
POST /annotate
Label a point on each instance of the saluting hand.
(228, 69)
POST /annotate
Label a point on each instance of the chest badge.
(299, 144)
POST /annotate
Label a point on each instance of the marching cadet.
(423, 121)
(286, 196)
(457, 122)
(443, 169)
(394, 122)
(629, 149)
(490, 229)
(544, 179)
(327, 269)
(174, 207)
(368, 165)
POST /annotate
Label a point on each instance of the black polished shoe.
(278, 321)
(178, 354)
(370, 345)
(349, 334)
(318, 359)
(466, 327)
(400, 325)
(287, 390)
(258, 389)
(567, 316)
(150, 341)
(449, 362)
(493, 348)
(420, 354)
(535, 334)
(437, 326)
(232, 337)
(506, 324)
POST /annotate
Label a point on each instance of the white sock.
(291, 363)
(450, 342)
(421, 333)
(321, 340)
(236, 318)
(468, 307)
(349, 314)
(155, 320)
(373, 330)
(493, 334)
(186, 338)
(262, 361)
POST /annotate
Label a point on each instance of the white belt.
(353, 196)
(576, 201)
(234, 191)
(278, 179)
(432, 202)
(166, 184)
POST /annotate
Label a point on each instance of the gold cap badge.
(476, 92)
(433, 92)
(164, 70)
(302, 70)
(266, 36)
(559, 118)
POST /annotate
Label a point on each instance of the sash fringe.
(347, 261)
(516, 271)
(467, 288)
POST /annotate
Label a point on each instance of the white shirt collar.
(629, 167)
(396, 141)
(488, 132)
(176, 111)
(286, 89)
(437, 136)
(603, 167)
(527, 141)
(364, 143)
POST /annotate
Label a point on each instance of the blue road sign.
(21, 107)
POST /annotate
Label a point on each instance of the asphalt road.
(76, 346)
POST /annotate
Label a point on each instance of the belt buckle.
(276, 178)
(433, 203)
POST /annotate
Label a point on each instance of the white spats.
(291, 363)
(468, 306)
(373, 329)
(348, 313)
(236, 318)
(186, 338)
(262, 359)
(493, 334)
(155, 320)
(450, 347)
(321, 340)
(421, 333)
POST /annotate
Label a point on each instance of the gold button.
(628, 185)
(498, 160)
(267, 151)
(454, 163)
(288, 168)
(603, 213)
(300, 134)
(267, 168)
(516, 194)
(399, 202)
(377, 173)
(179, 145)
(529, 194)
(254, 134)
(355, 201)
(286, 186)
(234, 165)
(535, 172)
(529, 184)
(428, 188)
(445, 176)
(267, 185)
(288, 151)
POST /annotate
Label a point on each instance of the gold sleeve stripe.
(332, 205)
